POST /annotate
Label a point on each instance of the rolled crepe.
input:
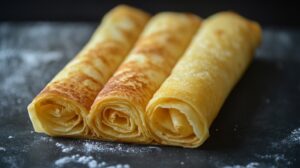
(119, 109)
(182, 110)
(60, 109)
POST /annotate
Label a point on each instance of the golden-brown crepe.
(182, 110)
(62, 106)
(119, 109)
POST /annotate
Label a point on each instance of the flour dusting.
(45, 138)
(24, 66)
(88, 161)
(293, 138)
(64, 148)
(287, 143)
(110, 147)
(277, 158)
(89, 147)
(86, 150)
(27, 63)
(249, 165)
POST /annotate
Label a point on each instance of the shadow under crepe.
(236, 124)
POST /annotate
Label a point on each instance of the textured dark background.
(274, 13)
(258, 126)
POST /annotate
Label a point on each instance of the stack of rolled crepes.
(169, 88)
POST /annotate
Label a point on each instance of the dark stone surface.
(275, 13)
(259, 122)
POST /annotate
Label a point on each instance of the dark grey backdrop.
(275, 13)
(257, 127)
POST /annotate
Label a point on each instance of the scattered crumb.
(181, 163)
(48, 139)
(102, 164)
(10, 137)
(126, 166)
(119, 166)
(2, 149)
(64, 148)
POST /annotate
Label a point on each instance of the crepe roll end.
(57, 116)
(174, 122)
(116, 120)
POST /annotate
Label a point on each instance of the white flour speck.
(92, 163)
(2, 149)
(102, 164)
(47, 139)
(64, 148)
(249, 165)
(182, 163)
(10, 137)
(119, 166)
